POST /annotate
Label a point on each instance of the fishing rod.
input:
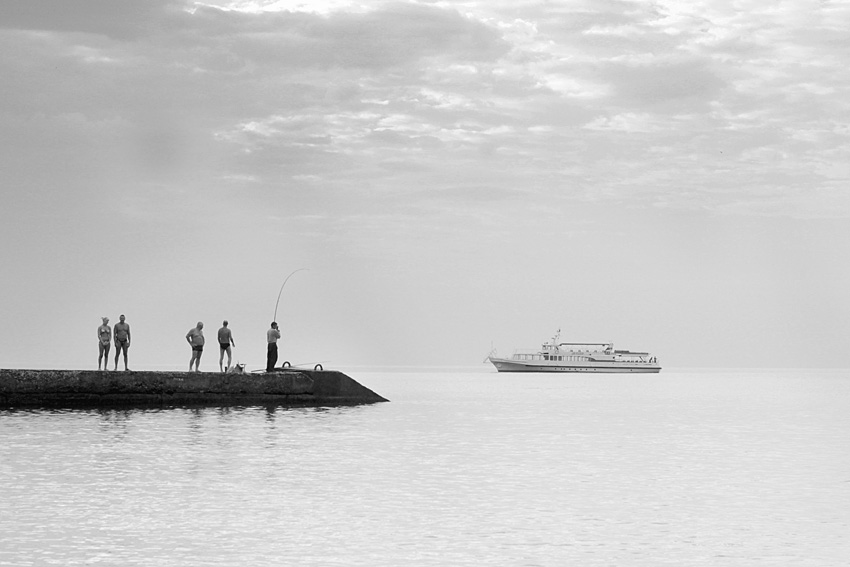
(307, 364)
(317, 366)
(281, 291)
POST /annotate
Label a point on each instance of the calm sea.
(470, 467)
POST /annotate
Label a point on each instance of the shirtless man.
(225, 339)
(104, 341)
(195, 338)
(122, 340)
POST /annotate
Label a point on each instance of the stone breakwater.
(95, 388)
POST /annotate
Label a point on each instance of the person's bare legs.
(221, 358)
(196, 360)
(119, 347)
(104, 356)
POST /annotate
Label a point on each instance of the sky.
(450, 178)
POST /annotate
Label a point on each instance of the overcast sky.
(454, 177)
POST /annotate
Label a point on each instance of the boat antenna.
(281, 291)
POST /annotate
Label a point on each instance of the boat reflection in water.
(555, 356)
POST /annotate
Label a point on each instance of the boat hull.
(508, 365)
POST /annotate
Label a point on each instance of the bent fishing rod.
(281, 291)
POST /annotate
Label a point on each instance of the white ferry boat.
(555, 356)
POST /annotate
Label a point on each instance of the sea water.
(461, 467)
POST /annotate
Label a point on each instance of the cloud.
(673, 86)
(118, 19)
(628, 122)
(394, 34)
(403, 94)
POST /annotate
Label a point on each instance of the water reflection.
(701, 470)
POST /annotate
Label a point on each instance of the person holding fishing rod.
(272, 335)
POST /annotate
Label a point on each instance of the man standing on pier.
(104, 341)
(195, 338)
(272, 335)
(122, 340)
(225, 339)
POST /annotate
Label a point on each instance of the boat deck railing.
(533, 356)
(576, 357)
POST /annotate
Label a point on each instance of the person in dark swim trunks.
(195, 337)
(122, 340)
(225, 340)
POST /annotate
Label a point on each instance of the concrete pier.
(95, 388)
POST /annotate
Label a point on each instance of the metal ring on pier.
(285, 364)
(318, 368)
